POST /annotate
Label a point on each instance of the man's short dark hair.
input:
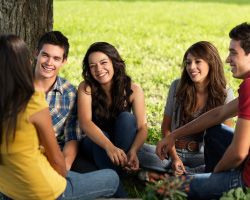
(54, 38)
(242, 33)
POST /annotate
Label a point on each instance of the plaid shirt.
(62, 99)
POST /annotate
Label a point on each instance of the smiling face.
(197, 69)
(101, 68)
(238, 60)
(49, 61)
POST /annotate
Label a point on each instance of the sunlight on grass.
(151, 36)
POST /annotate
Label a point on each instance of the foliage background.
(151, 36)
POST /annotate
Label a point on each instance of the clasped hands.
(129, 162)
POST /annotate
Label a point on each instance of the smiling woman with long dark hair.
(106, 98)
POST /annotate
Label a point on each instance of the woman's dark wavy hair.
(121, 83)
(186, 93)
(16, 80)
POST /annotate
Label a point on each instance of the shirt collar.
(57, 87)
(248, 75)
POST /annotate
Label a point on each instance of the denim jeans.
(216, 139)
(149, 160)
(4, 197)
(212, 185)
(101, 183)
(125, 130)
(123, 137)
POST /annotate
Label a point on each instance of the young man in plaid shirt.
(51, 55)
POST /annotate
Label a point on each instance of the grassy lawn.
(151, 36)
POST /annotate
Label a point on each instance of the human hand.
(133, 161)
(165, 146)
(117, 155)
(161, 149)
(178, 167)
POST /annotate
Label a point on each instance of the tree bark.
(28, 19)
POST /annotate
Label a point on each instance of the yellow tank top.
(25, 172)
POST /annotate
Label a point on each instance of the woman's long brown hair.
(16, 83)
(186, 92)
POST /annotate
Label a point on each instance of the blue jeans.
(125, 129)
(149, 160)
(101, 183)
(123, 136)
(212, 185)
(216, 139)
(4, 197)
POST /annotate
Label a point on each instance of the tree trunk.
(28, 19)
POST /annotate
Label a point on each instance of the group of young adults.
(45, 122)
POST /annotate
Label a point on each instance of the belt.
(190, 145)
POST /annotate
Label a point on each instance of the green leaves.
(236, 194)
(171, 188)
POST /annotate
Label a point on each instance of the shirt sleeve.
(244, 100)
(169, 107)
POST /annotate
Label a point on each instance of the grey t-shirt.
(172, 109)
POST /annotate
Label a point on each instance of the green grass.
(151, 36)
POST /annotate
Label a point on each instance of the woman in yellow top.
(31, 163)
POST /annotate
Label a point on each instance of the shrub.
(172, 188)
(236, 194)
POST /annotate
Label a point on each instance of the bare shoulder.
(136, 88)
(137, 92)
(84, 87)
